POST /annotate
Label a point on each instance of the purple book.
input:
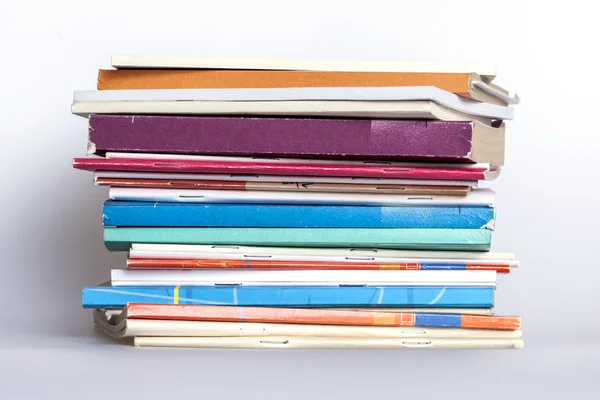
(379, 139)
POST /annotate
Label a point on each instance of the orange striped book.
(317, 316)
(148, 263)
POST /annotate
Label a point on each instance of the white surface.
(379, 96)
(55, 245)
(477, 197)
(192, 277)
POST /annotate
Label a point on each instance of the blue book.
(291, 296)
(124, 213)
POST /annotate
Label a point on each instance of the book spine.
(283, 137)
(283, 186)
(117, 213)
(319, 316)
(290, 296)
(133, 79)
(224, 167)
(150, 263)
(121, 239)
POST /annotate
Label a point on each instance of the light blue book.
(292, 296)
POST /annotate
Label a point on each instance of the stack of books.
(299, 203)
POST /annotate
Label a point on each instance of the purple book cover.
(410, 140)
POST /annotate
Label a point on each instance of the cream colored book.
(416, 102)
(177, 251)
(147, 61)
(303, 342)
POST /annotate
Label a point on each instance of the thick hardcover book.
(467, 85)
(137, 213)
(417, 140)
(290, 296)
(281, 167)
(121, 239)
(317, 316)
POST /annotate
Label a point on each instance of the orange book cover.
(148, 263)
(317, 316)
(125, 79)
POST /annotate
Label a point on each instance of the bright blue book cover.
(291, 296)
(124, 213)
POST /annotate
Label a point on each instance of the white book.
(477, 197)
(123, 327)
(145, 61)
(397, 99)
(343, 109)
(312, 342)
(279, 178)
(224, 255)
(120, 277)
(190, 251)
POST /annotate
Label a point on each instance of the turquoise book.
(121, 238)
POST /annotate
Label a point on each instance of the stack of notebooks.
(299, 203)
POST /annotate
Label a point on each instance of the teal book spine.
(120, 239)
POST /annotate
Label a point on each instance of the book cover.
(281, 167)
(348, 254)
(379, 139)
(275, 264)
(361, 97)
(165, 61)
(348, 296)
(318, 316)
(476, 198)
(310, 342)
(282, 186)
(244, 277)
(467, 85)
(148, 214)
(121, 239)
(117, 327)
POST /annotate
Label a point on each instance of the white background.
(546, 196)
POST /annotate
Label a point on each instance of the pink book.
(281, 167)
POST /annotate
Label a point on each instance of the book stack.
(299, 203)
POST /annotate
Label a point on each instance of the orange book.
(462, 84)
(148, 263)
(316, 316)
